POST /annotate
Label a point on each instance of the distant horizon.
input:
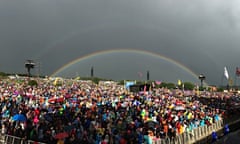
(89, 78)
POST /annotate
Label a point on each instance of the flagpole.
(235, 81)
(222, 80)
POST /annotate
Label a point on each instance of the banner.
(129, 83)
(238, 71)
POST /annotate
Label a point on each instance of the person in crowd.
(98, 113)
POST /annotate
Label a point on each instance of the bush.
(188, 86)
(32, 83)
(168, 85)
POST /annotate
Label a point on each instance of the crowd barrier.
(186, 138)
(234, 126)
(9, 139)
(194, 136)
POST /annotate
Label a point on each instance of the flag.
(230, 81)
(140, 74)
(226, 73)
(237, 71)
(179, 82)
(158, 82)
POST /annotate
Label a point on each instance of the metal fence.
(196, 135)
(9, 139)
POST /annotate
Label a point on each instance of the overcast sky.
(203, 35)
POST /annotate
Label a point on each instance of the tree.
(188, 86)
(96, 80)
(220, 89)
(171, 86)
(168, 85)
(121, 82)
(3, 75)
(32, 83)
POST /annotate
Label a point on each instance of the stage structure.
(92, 72)
(202, 78)
(29, 64)
(148, 75)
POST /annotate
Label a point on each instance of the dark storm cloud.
(203, 35)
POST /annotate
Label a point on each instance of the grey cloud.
(203, 35)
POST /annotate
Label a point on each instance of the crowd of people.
(76, 112)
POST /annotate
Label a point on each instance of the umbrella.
(150, 124)
(35, 120)
(53, 100)
(61, 135)
(178, 102)
(179, 108)
(61, 99)
(68, 96)
(19, 117)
